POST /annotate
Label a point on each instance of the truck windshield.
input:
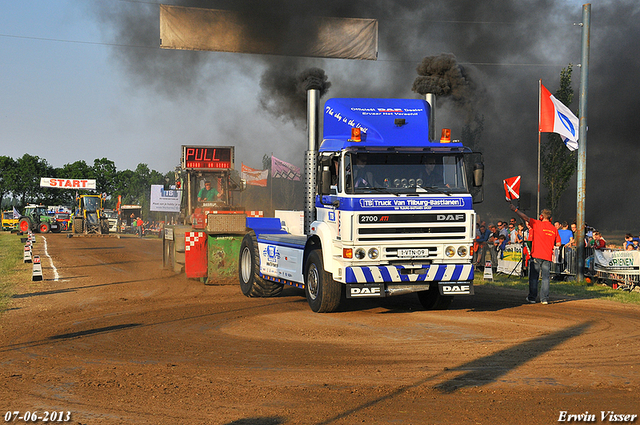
(405, 173)
(91, 204)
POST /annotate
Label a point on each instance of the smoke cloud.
(284, 92)
(488, 82)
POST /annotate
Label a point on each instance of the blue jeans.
(536, 266)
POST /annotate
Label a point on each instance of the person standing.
(544, 236)
(140, 227)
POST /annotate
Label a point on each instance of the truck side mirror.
(478, 174)
(324, 183)
(326, 180)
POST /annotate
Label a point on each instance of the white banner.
(165, 200)
(621, 262)
(67, 183)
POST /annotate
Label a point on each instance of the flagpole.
(539, 111)
(582, 147)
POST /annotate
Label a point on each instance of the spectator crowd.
(495, 238)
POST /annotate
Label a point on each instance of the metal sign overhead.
(190, 28)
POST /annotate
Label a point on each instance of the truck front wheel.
(323, 293)
(432, 300)
(251, 284)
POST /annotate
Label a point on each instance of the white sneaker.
(544, 302)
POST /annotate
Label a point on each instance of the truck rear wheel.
(432, 300)
(323, 293)
(251, 284)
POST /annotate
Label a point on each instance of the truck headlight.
(450, 251)
(373, 253)
(462, 251)
(359, 254)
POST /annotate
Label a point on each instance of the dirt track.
(117, 340)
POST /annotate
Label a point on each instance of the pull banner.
(67, 183)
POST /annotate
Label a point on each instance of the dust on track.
(119, 340)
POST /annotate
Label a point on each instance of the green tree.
(8, 169)
(27, 184)
(558, 163)
(105, 173)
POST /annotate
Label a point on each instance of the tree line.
(20, 182)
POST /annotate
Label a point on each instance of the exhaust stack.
(431, 100)
(313, 95)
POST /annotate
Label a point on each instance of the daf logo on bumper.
(365, 291)
(456, 288)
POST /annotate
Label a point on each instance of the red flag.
(512, 188)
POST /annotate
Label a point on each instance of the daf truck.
(388, 211)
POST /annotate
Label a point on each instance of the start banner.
(67, 183)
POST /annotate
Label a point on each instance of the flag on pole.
(512, 188)
(556, 117)
(284, 170)
(16, 213)
(254, 177)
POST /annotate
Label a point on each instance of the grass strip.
(563, 288)
(12, 268)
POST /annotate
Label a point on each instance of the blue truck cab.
(392, 213)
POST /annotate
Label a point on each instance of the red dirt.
(119, 340)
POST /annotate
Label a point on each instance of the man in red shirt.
(544, 236)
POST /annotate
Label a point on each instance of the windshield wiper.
(433, 189)
(383, 190)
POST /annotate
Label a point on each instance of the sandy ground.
(117, 340)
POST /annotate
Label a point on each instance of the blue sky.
(77, 82)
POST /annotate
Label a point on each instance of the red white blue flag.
(556, 117)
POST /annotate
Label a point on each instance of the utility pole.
(582, 145)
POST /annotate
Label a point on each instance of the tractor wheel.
(432, 300)
(323, 293)
(251, 284)
(44, 227)
(104, 227)
(78, 225)
(24, 224)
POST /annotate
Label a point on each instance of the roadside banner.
(621, 262)
(165, 200)
(67, 183)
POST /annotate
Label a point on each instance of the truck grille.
(411, 227)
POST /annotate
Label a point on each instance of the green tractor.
(89, 216)
(35, 219)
